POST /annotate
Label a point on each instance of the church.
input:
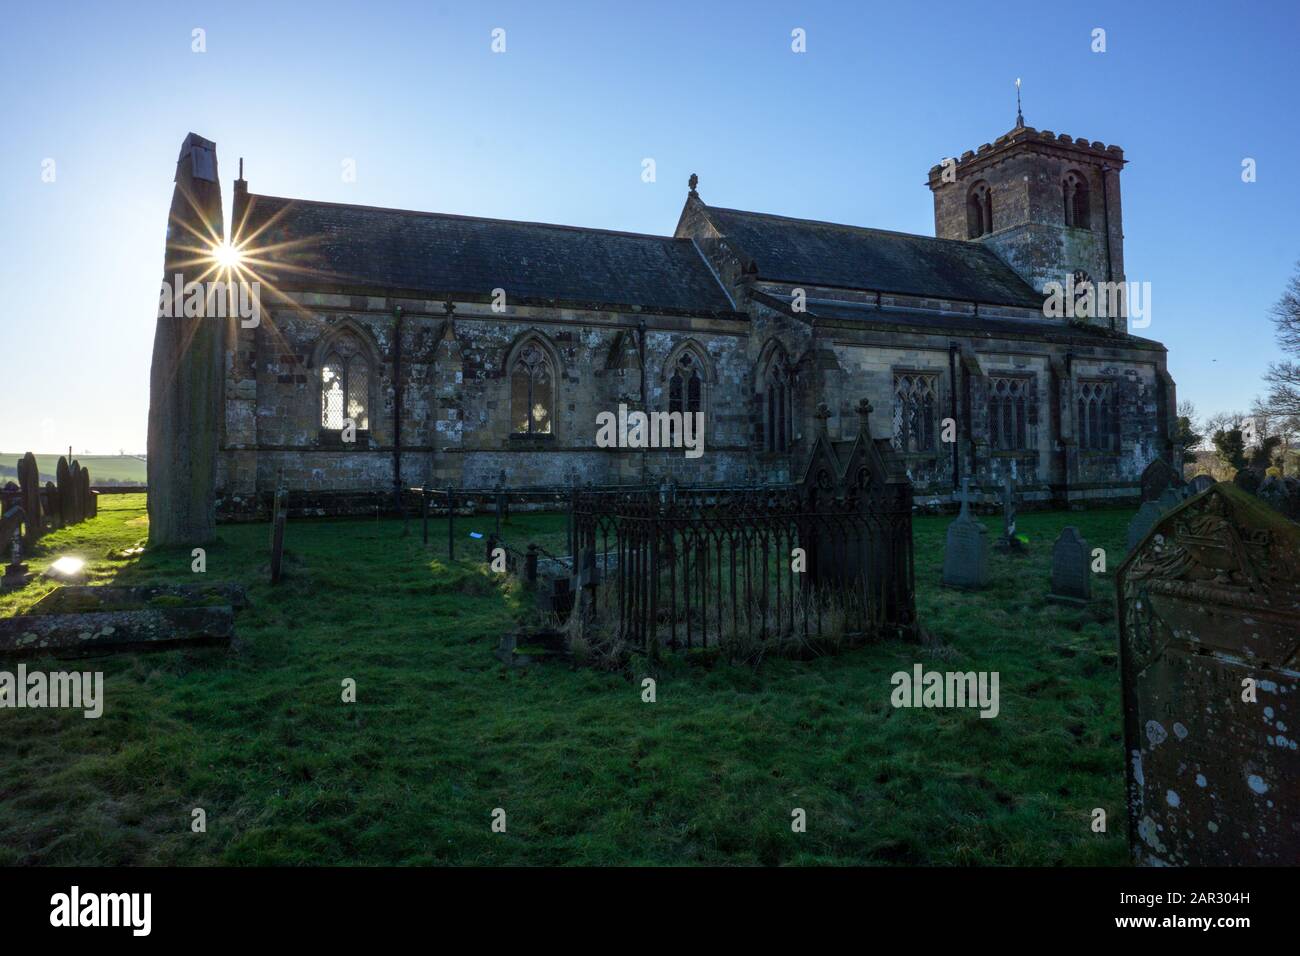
(398, 348)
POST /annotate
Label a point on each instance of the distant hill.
(104, 469)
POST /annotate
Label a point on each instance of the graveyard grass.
(442, 733)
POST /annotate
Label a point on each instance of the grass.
(442, 733)
(123, 469)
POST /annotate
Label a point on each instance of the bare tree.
(1284, 377)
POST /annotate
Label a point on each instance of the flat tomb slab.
(96, 632)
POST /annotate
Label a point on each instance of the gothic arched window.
(532, 392)
(345, 388)
(979, 210)
(1010, 412)
(1096, 425)
(1074, 189)
(778, 404)
(916, 398)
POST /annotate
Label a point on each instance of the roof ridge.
(465, 218)
(845, 225)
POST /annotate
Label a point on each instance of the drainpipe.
(1105, 215)
(397, 407)
(952, 411)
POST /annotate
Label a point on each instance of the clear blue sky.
(555, 130)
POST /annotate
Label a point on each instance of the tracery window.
(916, 399)
(686, 386)
(1096, 427)
(532, 392)
(1009, 411)
(345, 390)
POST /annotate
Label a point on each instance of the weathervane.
(1020, 118)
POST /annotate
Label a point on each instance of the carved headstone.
(1157, 477)
(29, 476)
(1209, 621)
(185, 380)
(1071, 568)
(1146, 516)
(966, 550)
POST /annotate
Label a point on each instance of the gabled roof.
(805, 251)
(364, 247)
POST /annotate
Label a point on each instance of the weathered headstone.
(1146, 516)
(1169, 499)
(186, 377)
(1071, 569)
(966, 549)
(1200, 483)
(29, 477)
(1158, 476)
(1209, 622)
(1281, 494)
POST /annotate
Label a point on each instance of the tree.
(1187, 437)
(1284, 377)
(1230, 448)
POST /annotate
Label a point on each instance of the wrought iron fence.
(767, 565)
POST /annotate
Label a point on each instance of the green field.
(117, 469)
(442, 733)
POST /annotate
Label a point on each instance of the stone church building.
(463, 348)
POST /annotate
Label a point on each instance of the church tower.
(1048, 205)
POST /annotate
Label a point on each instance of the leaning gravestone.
(1209, 625)
(1071, 569)
(29, 476)
(966, 550)
(1158, 476)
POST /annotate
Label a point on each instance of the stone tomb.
(1071, 569)
(966, 550)
(1209, 625)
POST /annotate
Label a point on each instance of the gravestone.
(1170, 499)
(278, 517)
(1146, 516)
(55, 503)
(67, 498)
(1009, 543)
(1248, 479)
(29, 477)
(1282, 494)
(16, 574)
(1209, 624)
(83, 493)
(78, 507)
(1158, 476)
(1071, 569)
(966, 549)
(1200, 483)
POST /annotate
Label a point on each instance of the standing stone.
(1209, 626)
(185, 380)
(1158, 476)
(1071, 569)
(966, 550)
(29, 477)
(1142, 522)
(67, 497)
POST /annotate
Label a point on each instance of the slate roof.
(364, 247)
(852, 257)
(969, 325)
